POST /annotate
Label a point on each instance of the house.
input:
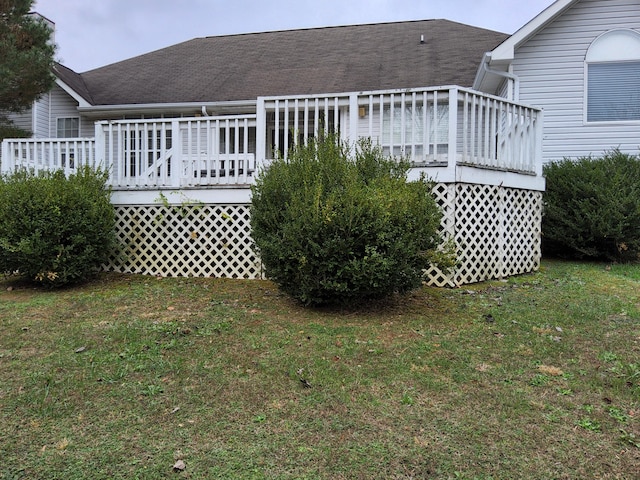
(183, 131)
(579, 60)
(226, 74)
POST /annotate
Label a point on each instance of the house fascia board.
(82, 103)
(206, 108)
(505, 52)
(500, 58)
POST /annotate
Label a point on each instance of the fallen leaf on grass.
(549, 370)
(542, 331)
(62, 444)
(483, 367)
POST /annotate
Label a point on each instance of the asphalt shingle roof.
(319, 60)
(73, 79)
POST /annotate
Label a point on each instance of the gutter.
(485, 69)
(195, 107)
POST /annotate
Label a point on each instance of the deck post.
(453, 129)
(5, 163)
(353, 119)
(539, 127)
(261, 134)
(176, 167)
(100, 147)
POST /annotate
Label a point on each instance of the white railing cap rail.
(50, 140)
(495, 97)
(343, 97)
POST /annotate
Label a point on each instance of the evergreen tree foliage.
(26, 59)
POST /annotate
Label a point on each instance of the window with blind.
(613, 77)
(68, 127)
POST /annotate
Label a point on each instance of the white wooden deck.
(181, 186)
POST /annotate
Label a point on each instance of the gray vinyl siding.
(552, 76)
(23, 120)
(65, 106)
(41, 117)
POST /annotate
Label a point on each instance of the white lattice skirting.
(185, 241)
(496, 230)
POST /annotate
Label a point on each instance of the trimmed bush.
(331, 229)
(592, 208)
(55, 230)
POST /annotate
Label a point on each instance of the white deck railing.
(439, 128)
(47, 154)
(429, 127)
(178, 153)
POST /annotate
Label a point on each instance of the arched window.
(613, 77)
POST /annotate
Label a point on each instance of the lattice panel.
(496, 231)
(522, 219)
(445, 195)
(478, 228)
(193, 240)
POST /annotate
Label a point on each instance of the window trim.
(588, 62)
(58, 119)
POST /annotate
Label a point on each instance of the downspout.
(509, 76)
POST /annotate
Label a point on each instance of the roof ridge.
(326, 27)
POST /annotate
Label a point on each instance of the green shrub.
(55, 230)
(592, 208)
(330, 228)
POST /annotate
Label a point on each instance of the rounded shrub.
(55, 230)
(592, 208)
(331, 227)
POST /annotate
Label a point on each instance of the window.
(68, 127)
(613, 77)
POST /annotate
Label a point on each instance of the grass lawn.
(537, 377)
